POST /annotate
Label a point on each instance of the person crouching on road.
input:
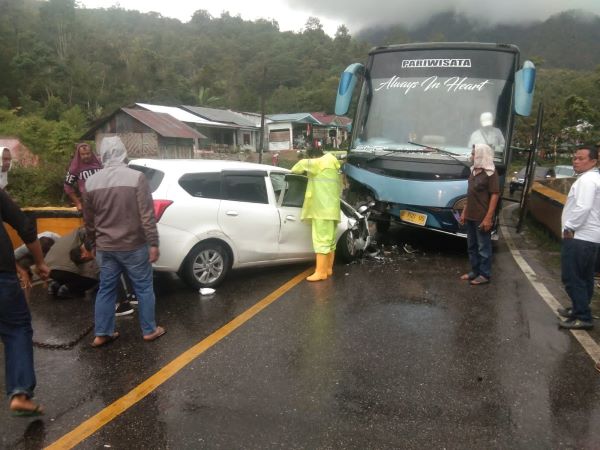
(322, 208)
(581, 239)
(119, 219)
(478, 214)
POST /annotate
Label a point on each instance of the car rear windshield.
(153, 176)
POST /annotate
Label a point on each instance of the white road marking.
(583, 337)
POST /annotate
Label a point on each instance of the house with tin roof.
(303, 130)
(236, 130)
(147, 134)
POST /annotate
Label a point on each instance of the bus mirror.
(346, 88)
(524, 89)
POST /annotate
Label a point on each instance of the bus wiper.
(444, 152)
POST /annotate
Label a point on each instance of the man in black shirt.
(15, 319)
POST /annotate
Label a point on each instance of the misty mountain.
(567, 40)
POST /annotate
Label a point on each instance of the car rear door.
(247, 217)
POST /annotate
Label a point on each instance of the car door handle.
(290, 218)
(232, 213)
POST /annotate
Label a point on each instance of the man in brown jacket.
(120, 225)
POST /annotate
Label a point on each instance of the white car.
(564, 171)
(213, 216)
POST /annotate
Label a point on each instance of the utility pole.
(262, 116)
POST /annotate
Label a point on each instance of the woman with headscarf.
(83, 165)
(478, 214)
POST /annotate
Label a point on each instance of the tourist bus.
(420, 110)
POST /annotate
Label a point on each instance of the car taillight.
(160, 206)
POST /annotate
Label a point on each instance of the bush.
(38, 186)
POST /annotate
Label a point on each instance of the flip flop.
(106, 341)
(479, 280)
(468, 276)
(155, 334)
(38, 411)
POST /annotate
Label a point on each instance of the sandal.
(105, 340)
(37, 411)
(155, 334)
(479, 280)
(468, 276)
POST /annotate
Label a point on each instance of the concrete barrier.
(59, 220)
(546, 201)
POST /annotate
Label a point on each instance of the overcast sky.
(355, 14)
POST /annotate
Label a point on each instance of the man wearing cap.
(488, 134)
(6, 160)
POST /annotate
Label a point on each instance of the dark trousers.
(17, 336)
(76, 283)
(479, 248)
(578, 261)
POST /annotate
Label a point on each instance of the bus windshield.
(446, 99)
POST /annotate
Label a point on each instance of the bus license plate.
(413, 217)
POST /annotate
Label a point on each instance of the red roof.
(331, 119)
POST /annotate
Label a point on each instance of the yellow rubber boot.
(331, 255)
(321, 270)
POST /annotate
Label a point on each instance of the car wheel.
(206, 265)
(346, 250)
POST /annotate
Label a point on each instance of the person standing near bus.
(581, 239)
(483, 193)
(322, 207)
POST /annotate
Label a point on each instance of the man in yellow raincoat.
(322, 208)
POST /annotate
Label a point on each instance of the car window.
(245, 188)
(204, 185)
(296, 188)
(278, 182)
(153, 176)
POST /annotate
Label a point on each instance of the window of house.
(246, 138)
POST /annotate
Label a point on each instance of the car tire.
(206, 265)
(346, 250)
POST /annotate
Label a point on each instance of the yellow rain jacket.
(322, 198)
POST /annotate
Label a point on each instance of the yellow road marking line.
(121, 405)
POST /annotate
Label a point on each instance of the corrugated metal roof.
(331, 119)
(179, 114)
(221, 115)
(164, 124)
(297, 117)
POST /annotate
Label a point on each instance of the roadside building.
(303, 130)
(147, 134)
(228, 130)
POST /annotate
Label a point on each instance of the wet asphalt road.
(389, 353)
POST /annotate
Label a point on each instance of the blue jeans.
(17, 336)
(136, 265)
(578, 261)
(479, 247)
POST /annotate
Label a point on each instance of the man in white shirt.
(488, 134)
(6, 160)
(581, 239)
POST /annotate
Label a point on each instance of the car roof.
(201, 165)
